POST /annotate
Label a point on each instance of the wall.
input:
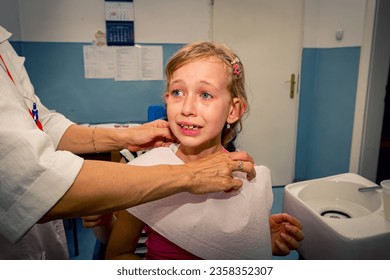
(9, 17)
(328, 87)
(51, 35)
(56, 70)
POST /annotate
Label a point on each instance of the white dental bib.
(213, 226)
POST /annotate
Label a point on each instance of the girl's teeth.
(190, 127)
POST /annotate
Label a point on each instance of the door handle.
(292, 85)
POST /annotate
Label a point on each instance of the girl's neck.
(188, 154)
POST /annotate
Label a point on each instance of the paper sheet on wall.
(151, 63)
(123, 63)
(99, 62)
(127, 64)
(119, 10)
(119, 22)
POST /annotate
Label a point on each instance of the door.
(267, 35)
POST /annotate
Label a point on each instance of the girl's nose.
(189, 107)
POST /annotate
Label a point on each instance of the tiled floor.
(87, 240)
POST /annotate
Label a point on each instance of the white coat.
(33, 175)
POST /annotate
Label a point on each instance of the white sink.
(339, 221)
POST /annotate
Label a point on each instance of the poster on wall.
(119, 15)
(138, 63)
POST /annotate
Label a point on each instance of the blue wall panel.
(57, 73)
(326, 111)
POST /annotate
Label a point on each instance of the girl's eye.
(176, 92)
(206, 95)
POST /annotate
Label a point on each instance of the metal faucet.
(367, 189)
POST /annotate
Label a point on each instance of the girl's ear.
(237, 109)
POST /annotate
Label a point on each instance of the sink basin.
(340, 199)
(339, 221)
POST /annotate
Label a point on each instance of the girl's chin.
(190, 144)
(198, 145)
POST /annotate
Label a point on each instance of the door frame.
(371, 89)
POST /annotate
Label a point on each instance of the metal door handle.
(292, 85)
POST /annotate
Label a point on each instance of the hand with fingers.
(215, 172)
(150, 135)
(96, 220)
(286, 233)
(243, 163)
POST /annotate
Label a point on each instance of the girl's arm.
(124, 237)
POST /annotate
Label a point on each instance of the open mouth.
(189, 127)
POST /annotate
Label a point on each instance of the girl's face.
(199, 105)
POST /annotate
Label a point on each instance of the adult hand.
(286, 233)
(150, 135)
(247, 163)
(215, 172)
(91, 221)
(96, 220)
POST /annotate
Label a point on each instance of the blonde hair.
(236, 83)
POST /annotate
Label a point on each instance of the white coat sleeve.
(34, 176)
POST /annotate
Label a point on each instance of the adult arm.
(81, 139)
(102, 187)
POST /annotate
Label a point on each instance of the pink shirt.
(160, 248)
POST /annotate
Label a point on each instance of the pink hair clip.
(236, 67)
